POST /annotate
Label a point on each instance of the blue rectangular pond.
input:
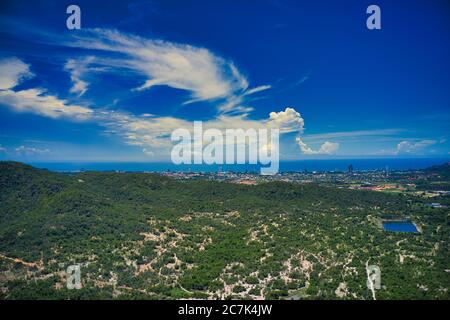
(399, 226)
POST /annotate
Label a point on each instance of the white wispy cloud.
(37, 101)
(352, 134)
(77, 68)
(257, 89)
(12, 72)
(2, 149)
(412, 146)
(178, 66)
(344, 137)
(407, 147)
(197, 70)
(299, 82)
(148, 131)
(148, 152)
(234, 103)
(30, 151)
(293, 84)
(205, 75)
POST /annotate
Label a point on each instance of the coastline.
(309, 165)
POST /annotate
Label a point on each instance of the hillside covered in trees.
(144, 236)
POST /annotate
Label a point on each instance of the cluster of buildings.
(374, 180)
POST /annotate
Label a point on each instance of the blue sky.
(114, 90)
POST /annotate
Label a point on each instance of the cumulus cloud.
(288, 120)
(327, 148)
(12, 72)
(411, 147)
(30, 151)
(2, 150)
(197, 70)
(154, 133)
(148, 131)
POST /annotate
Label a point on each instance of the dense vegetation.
(144, 236)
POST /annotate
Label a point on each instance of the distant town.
(407, 182)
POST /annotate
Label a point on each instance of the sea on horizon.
(328, 165)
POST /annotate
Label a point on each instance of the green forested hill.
(442, 170)
(145, 236)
